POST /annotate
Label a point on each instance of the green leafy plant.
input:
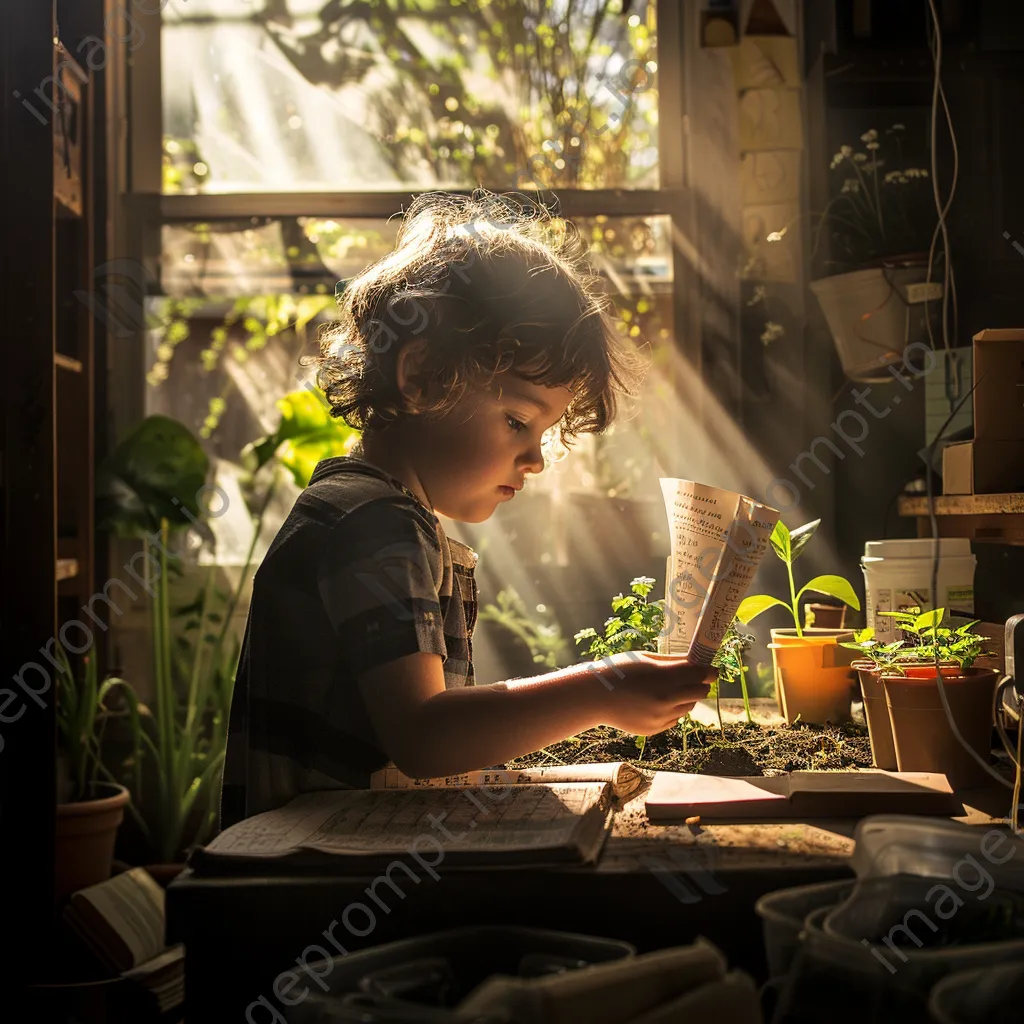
(925, 640)
(789, 546)
(882, 204)
(544, 640)
(82, 716)
(730, 665)
(635, 626)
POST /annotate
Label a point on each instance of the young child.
(458, 355)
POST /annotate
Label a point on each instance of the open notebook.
(357, 831)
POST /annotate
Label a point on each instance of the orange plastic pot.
(923, 737)
(813, 678)
(86, 831)
(876, 711)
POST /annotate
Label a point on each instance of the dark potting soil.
(743, 750)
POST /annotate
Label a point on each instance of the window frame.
(145, 209)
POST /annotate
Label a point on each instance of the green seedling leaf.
(929, 619)
(780, 542)
(751, 607)
(800, 536)
(833, 586)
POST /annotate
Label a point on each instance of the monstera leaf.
(157, 472)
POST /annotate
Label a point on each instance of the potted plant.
(914, 673)
(150, 488)
(90, 808)
(812, 674)
(880, 222)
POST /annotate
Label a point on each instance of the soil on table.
(743, 750)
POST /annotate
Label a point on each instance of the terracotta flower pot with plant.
(90, 810)
(931, 662)
(813, 678)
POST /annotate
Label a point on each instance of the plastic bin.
(422, 979)
(980, 996)
(895, 844)
(783, 912)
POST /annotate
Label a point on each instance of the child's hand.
(647, 693)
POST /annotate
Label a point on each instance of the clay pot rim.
(974, 672)
(78, 808)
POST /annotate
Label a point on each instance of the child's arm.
(430, 731)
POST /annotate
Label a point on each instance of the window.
(293, 132)
(310, 95)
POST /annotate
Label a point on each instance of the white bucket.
(898, 575)
(873, 315)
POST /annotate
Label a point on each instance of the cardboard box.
(983, 467)
(999, 376)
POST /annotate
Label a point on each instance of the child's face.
(491, 440)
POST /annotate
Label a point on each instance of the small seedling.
(789, 546)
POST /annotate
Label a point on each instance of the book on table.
(360, 831)
(122, 920)
(625, 779)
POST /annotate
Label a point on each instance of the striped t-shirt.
(360, 573)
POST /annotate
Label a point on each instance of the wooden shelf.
(63, 362)
(996, 518)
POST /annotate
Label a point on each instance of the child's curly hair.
(495, 283)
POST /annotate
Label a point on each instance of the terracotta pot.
(921, 732)
(824, 616)
(813, 678)
(876, 711)
(86, 831)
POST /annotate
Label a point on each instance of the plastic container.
(870, 318)
(424, 978)
(898, 575)
(893, 844)
(813, 678)
(981, 996)
(839, 968)
(782, 916)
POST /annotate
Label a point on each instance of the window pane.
(329, 95)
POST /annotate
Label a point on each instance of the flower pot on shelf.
(813, 678)
(86, 832)
(873, 314)
(824, 616)
(922, 735)
(876, 712)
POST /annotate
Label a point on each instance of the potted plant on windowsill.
(909, 672)
(881, 228)
(90, 807)
(812, 674)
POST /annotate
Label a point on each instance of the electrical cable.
(942, 210)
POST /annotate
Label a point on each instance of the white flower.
(772, 332)
(850, 185)
(860, 157)
(871, 145)
(869, 136)
(758, 295)
(846, 151)
(776, 236)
